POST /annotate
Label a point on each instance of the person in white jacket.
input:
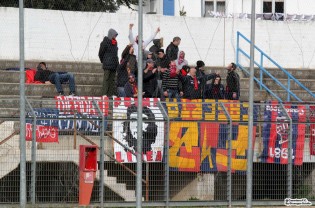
(181, 61)
(134, 41)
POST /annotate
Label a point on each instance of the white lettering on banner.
(313, 132)
(280, 153)
(46, 132)
(82, 104)
(28, 133)
(289, 110)
(82, 125)
(42, 132)
(282, 129)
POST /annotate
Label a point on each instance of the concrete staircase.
(88, 82)
(305, 76)
(89, 78)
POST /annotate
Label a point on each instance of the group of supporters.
(166, 73)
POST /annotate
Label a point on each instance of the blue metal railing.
(263, 70)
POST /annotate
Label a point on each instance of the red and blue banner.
(276, 133)
(199, 135)
(312, 130)
(46, 125)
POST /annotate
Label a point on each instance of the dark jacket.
(188, 85)
(203, 81)
(108, 52)
(163, 62)
(149, 83)
(232, 82)
(129, 90)
(122, 73)
(43, 75)
(213, 91)
(172, 51)
(156, 46)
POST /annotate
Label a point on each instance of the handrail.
(263, 70)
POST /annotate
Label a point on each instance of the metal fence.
(194, 152)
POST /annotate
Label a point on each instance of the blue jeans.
(121, 92)
(173, 94)
(61, 78)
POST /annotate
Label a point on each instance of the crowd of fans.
(166, 73)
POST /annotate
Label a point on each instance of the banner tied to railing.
(276, 133)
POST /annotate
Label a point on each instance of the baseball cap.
(160, 51)
(149, 61)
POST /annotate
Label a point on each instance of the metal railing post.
(229, 162)
(261, 72)
(289, 86)
(290, 154)
(33, 154)
(237, 47)
(166, 154)
(101, 153)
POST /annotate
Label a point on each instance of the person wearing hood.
(108, 54)
(134, 41)
(215, 90)
(157, 44)
(181, 61)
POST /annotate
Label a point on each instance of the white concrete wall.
(76, 36)
(300, 6)
(191, 9)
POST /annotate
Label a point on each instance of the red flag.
(43, 133)
(312, 130)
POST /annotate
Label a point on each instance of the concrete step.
(308, 83)
(80, 78)
(119, 188)
(263, 95)
(297, 73)
(48, 90)
(83, 67)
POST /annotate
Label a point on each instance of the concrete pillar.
(205, 186)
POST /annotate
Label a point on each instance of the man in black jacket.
(172, 49)
(149, 79)
(232, 91)
(162, 64)
(57, 78)
(192, 84)
(108, 54)
(200, 67)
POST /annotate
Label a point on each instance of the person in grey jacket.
(108, 54)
